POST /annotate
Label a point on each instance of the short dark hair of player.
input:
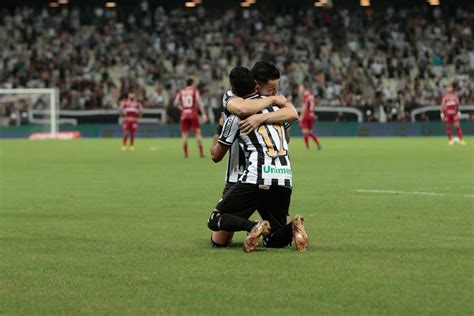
(264, 71)
(242, 81)
(189, 82)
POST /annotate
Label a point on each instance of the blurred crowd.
(383, 62)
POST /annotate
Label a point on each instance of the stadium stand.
(395, 59)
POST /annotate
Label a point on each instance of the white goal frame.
(53, 105)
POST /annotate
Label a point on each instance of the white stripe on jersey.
(266, 149)
(236, 157)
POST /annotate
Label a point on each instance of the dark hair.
(264, 71)
(242, 81)
(189, 81)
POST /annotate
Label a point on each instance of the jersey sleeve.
(229, 95)
(230, 131)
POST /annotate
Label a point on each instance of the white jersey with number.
(266, 149)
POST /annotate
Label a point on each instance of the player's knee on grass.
(213, 221)
(221, 239)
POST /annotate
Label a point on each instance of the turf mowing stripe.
(414, 193)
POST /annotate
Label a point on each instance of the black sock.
(279, 238)
(234, 223)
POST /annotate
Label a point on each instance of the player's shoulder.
(228, 95)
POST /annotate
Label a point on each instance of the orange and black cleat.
(300, 237)
(253, 238)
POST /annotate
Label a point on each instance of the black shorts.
(271, 202)
(228, 185)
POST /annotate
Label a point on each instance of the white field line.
(412, 192)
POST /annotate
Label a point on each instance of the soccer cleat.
(132, 148)
(463, 142)
(451, 142)
(319, 147)
(124, 148)
(300, 237)
(253, 238)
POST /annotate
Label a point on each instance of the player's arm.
(304, 106)
(177, 101)
(458, 111)
(246, 107)
(228, 135)
(287, 113)
(215, 139)
(121, 107)
(443, 104)
(287, 134)
(201, 108)
(218, 152)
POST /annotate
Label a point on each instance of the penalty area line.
(412, 193)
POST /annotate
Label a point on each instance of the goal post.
(15, 95)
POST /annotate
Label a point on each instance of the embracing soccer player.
(266, 183)
(307, 116)
(450, 114)
(267, 77)
(131, 110)
(188, 100)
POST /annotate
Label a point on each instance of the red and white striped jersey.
(188, 98)
(131, 109)
(450, 104)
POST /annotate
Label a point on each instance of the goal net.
(35, 108)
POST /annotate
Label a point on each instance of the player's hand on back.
(279, 100)
(251, 123)
(204, 118)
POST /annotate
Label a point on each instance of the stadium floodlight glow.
(318, 4)
(433, 2)
(53, 5)
(245, 4)
(190, 4)
(110, 4)
(365, 3)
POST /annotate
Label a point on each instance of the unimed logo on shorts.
(273, 172)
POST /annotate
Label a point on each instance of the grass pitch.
(88, 229)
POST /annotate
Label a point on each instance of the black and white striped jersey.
(266, 149)
(236, 160)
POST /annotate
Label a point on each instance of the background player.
(187, 100)
(450, 114)
(307, 116)
(131, 110)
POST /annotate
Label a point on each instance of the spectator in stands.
(396, 59)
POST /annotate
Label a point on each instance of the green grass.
(88, 229)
